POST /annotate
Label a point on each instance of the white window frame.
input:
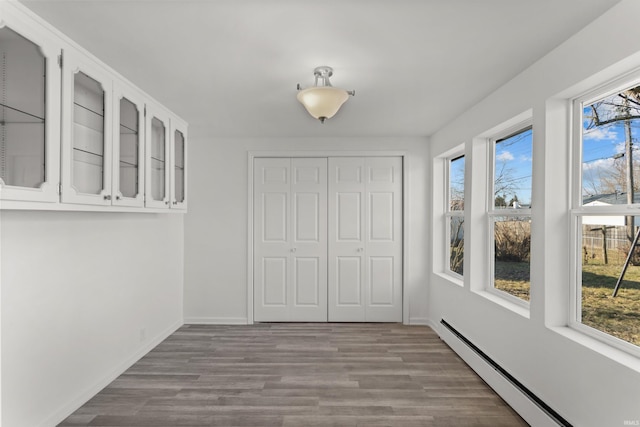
(578, 211)
(450, 214)
(492, 212)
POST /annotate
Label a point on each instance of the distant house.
(608, 200)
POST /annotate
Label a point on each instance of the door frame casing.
(251, 155)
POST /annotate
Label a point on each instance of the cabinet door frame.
(73, 63)
(51, 48)
(251, 155)
(152, 111)
(122, 90)
(180, 126)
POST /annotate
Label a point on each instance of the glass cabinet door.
(88, 135)
(86, 158)
(157, 182)
(178, 161)
(128, 147)
(29, 116)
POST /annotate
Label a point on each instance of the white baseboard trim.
(520, 403)
(58, 416)
(433, 325)
(215, 321)
(422, 321)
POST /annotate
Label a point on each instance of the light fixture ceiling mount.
(323, 100)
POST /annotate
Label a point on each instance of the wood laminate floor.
(298, 375)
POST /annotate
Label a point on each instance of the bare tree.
(623, 107)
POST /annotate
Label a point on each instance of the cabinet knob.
(166, 203)
(175, 202)
(107, 197)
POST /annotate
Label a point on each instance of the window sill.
(620, 356)
(456, 280)
(500, 300)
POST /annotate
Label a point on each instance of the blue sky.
(600, 146)
(513, 167)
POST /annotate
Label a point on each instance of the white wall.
(216, 225)
(588, 383)
(83, 296)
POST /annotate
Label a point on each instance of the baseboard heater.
(535, 399)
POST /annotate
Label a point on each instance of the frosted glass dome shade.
(322, 102)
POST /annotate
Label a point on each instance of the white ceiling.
(230, 67)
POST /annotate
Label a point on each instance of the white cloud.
(599, 134)
(505, 156)
(598, 165)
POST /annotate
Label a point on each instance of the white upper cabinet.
(128, 147)
(29, 110)
(77, 135)
(86, 131)
(178, 176)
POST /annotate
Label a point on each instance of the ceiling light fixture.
(322, 100)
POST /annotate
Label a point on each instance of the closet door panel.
(365, 246)
(308, 299)
(306, 275)
(274, 283)
(349, 281)
(383, 239)
(290, 240)
(271, 239)
(274, 216)
(346, 239)
(381, 283)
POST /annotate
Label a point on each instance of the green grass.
(513, 278)
(619, 316)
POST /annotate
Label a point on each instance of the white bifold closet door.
(290, 239)
(328, 239)
(365, 239)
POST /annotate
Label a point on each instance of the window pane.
(456, 251)
(605, 247)
(512, 241)
(456, 184)
(610, 162)
(512, 176)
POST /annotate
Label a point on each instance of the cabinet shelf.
(89, 109)
(126, 130)
(80, 150)
(15, 115)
